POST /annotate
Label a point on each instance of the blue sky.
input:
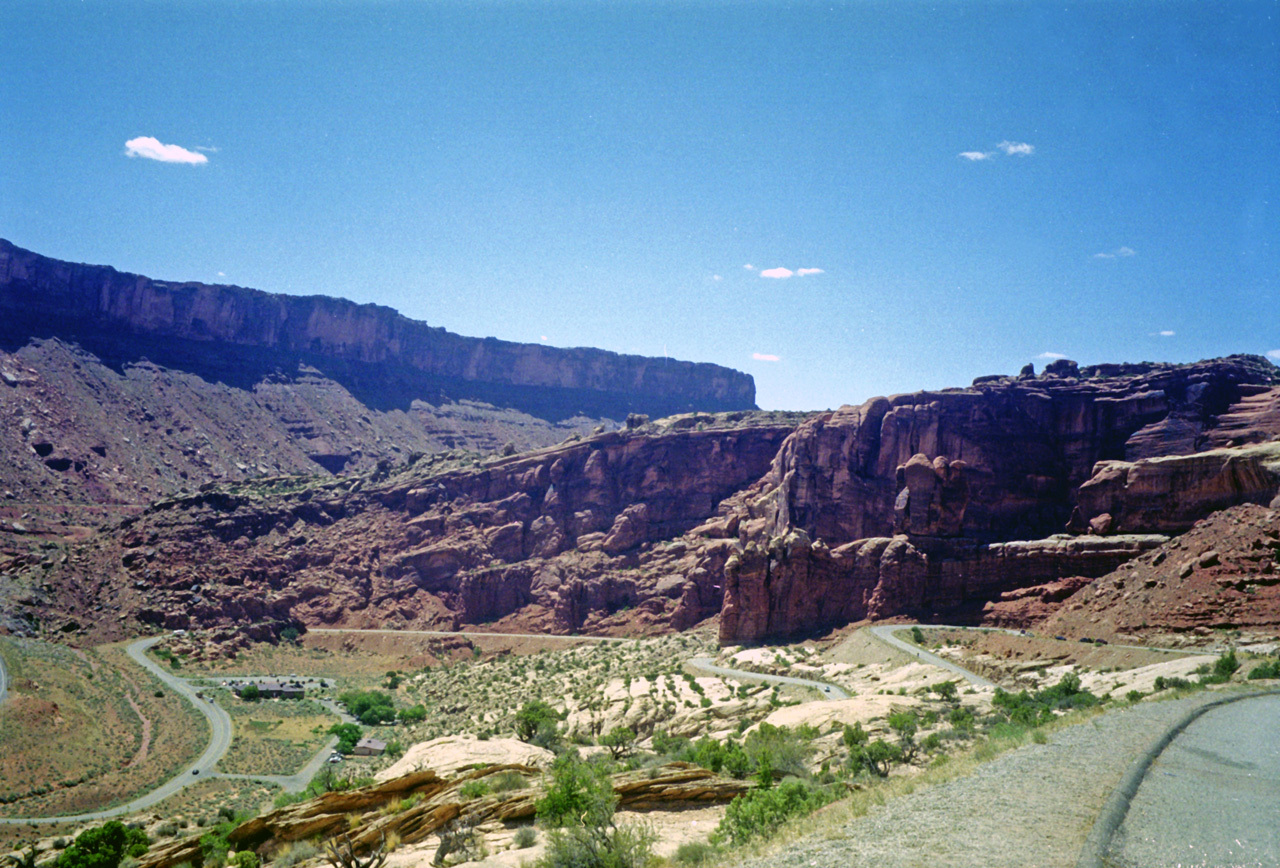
(955, 188)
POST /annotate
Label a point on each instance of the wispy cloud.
(1017, 149)
(1273, 354)
(765, 357)
(781, 273)
(1048, 356)
(749, 267)
(716, 277)
(1008, 148)
(1118, 253)
(153, 149)
(1167, 333)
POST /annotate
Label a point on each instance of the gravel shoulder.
(1030, 808)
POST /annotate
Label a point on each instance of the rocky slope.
(120, 389)
(930, 504)
(921, 502)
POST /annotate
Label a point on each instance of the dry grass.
(72, 738)
(273, 737)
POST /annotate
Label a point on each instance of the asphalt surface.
(707, 665)
(4, 681)
(886, 634)
(1212, 797)
(220, 733)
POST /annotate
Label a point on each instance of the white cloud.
(1167, 333)
(803, 271)
(1273, 354)
(153, 149)
(777, 273)
(1126, 251)
(716, 277)
(765, 357)
(222, 274)
(544, 337)
(977, 155)
(1121, 252)
(1050, 356)
(1020, 149)
(749, 267)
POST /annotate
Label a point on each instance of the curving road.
(464, 633)
(1212, 796)
(707, 665)
(220, 733)
(4, 681)
(886, 634)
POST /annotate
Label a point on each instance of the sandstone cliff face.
(608, 532)
(373, 347)
(962, 475)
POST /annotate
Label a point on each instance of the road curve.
(219, 741)
(707, 665)
(885, 633)
(4, 681)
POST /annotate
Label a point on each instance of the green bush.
(413, 714)
(579, 791)
(104, 847)
(695, 853)
(526, 837)
(1171, 683)
(1265, 670)
(348, 734)
(505, 782)
(536, 723)
(370, 707)
(1034, 709)
(473, 789)
(761, 812)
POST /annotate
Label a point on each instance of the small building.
(369, 747)
(274, 690)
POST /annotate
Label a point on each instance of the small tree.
(348, 734)
(536, 721)
(104, 847)
(620, 742)
(250, 693)
(579, 807)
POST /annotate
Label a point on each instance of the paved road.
(1212, 797)
(219, 741)
(4, 681)
(885, 633)
(220, 733)
(707, 665)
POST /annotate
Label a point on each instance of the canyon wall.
(237, 334)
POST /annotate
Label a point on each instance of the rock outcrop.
(388, 360)
(972, 481)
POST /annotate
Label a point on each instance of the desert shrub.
(250, 693)
(104, 847)
(1134, 695)
(578, 807)
(1265, 670)
(505, 782)
(1171, 683)
(536, 723)
(395, 748)
(947, 691)
(289, 634)
(620, 741)
(875, 757)
(413, 714)
(244, 859)
(1034, 709)
(761, 812)
(1223, 668)
(526, 837)
(695, 853)
(786, 752)
(473, 789)
(295, 854)
(917, 636)
(168, 830)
